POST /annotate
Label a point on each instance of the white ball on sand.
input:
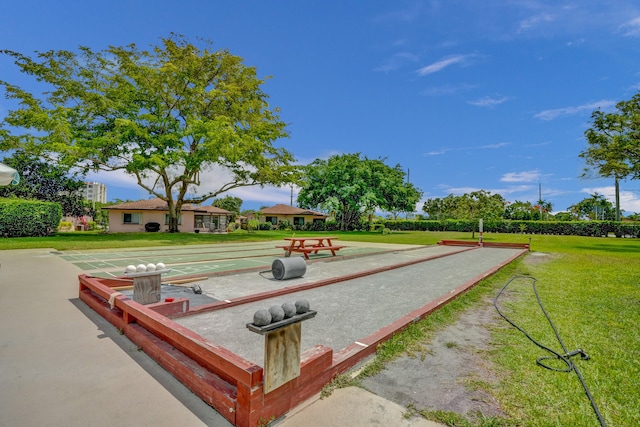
(130, 269)
(141, 268)
(160, 266)
(151, 267)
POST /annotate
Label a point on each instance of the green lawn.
(590, 287)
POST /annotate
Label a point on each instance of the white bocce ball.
(141, 268)
(151, 267)
(160, 266)
(130, 269)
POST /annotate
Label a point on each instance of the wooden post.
(146, 289)
(282, 341)
(147, 285)
(281, 356)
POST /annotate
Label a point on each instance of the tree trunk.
(174, 212)
(617, 199)
(173, 224)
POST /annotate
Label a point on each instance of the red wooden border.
(226, 381)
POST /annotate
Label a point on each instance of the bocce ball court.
(203, 331)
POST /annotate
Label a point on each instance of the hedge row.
(27, 218)
(566, 228)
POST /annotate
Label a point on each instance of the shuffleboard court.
(347, 310)
(199, 260)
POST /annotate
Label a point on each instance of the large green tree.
(229, 203)
(352, 185)
(48, 182)
(595, 207)
(613, 145)
(441, 208)
(163, 115)
(522, 211)
(469, 206)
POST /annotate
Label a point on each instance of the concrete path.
(63, 365)
(353, 407)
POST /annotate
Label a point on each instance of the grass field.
(589, 286)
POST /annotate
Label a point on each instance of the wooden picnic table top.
(302, 239)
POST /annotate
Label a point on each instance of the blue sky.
(464, 95)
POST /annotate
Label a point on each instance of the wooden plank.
(282, 356)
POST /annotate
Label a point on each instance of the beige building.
(149, 215)
(295, 216)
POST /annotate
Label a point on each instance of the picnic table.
(307, 245)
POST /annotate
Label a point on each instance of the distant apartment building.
(95, 192)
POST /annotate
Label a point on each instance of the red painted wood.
(169, 309)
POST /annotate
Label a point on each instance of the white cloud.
(489, 102)
(442, 64)
(491, 146)
(397, 61)
(480, 147)
(535, 21)
(629, 200)
(437, 152)
(254, 196)
(526, 176)
(569, 111)
(631, 28)
(447, 89)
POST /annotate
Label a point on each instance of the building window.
(131, 218)
(272, 219)
(166, 219)
(298, 220)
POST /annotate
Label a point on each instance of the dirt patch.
(446, 375)
(535, 258)
(442, 378)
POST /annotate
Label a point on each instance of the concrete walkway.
(63, 365)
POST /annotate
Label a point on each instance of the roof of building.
(282, 209)
(161, 205)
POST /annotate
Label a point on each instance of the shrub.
(331, 225)
(65, 226)
(28, 218)
(284, 224)
(566, 228)
(254, 224)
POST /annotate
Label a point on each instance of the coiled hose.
(566, 358)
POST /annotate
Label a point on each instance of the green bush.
(65, 226)
(314, 226)
(266, 226)
(284, 224)
(254, 224)
(565, 228)
(28, 218)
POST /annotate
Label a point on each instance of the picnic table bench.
(307, 245)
